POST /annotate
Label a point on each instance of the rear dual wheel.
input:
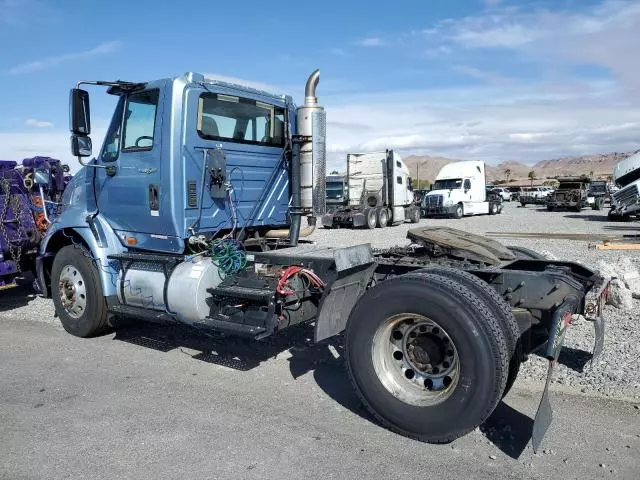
(382, 217)
(420, 370)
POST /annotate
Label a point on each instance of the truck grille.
(431, 201)
(627, 196)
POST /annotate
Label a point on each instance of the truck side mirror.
(80, 146)
(79, 114)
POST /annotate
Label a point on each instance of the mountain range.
(597, 166)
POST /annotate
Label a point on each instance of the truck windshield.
(570, 186)
(598, 187)
(335, 190)
(240, 120)
(447, 184)
(626, 179)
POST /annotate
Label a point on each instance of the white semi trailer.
(379, 193)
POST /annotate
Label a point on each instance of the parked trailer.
(379, 193)
(434, 332)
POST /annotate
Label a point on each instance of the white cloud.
(53, 61)
(55, 144)
(605, 35)
(32, 122)
(493, 123)
(371, 42)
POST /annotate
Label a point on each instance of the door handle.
(154, 200)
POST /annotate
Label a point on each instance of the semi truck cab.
(191, 214)
(459, 190)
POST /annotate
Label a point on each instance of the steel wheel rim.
(371, 219)
(72, 291)
(399, 349)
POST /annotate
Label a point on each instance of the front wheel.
(493, 209)
(77, 296)
(414, 215)
(421, 371)
(459, 212)
(524, 204)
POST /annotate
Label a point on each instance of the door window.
(140, 121)
(111, 145)
(467, 184)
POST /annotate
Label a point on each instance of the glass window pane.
(241, 120)
(140, 120)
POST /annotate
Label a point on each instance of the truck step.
(154, 316)
(237, 329)
(262, 295)
(146, 257)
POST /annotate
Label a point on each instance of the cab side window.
(112, 139)
(140, 121)
(467, 184)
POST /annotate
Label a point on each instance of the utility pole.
(418, 174)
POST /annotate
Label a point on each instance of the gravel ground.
(618, 371)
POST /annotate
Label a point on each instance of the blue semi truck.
(192, 212)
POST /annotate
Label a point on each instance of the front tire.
(459, 212)
(414, 215)
(420, 371)
(76, 292)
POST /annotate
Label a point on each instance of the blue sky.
(476, 79)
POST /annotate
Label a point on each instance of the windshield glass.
(598, 187)
(447, 184)
(240, 120)
(335, 190)
(569, 186)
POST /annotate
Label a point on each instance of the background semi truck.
(379, 193)
(191, 214)
(626, 201)
(459, 190)
(336, 192)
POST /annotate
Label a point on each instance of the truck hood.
(444, 192)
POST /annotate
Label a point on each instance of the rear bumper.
(344, 219)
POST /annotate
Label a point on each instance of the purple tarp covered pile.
(25, 192)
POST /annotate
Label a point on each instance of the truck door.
(466, 190)
(131, 196)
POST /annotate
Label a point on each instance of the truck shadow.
(509, 429)
(18, 296)
(589, 217)
(574, 358)
(232, 352)
(633, 228)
